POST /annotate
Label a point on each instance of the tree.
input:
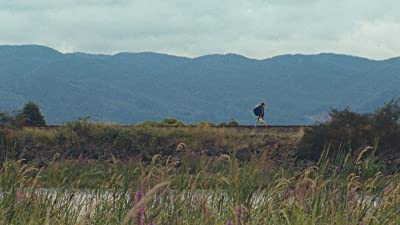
(30, 115)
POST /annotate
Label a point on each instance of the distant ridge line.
(205, 55)
(188, 126)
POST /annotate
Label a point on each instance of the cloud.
(255, 28)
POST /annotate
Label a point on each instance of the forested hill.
(132, 87)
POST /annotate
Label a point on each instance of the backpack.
(257, 110)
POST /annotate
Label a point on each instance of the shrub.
(7, 119)
(350, 130)
(171, 122)
(205, 124)
(149, 124)
(223, 124)
(231, 123)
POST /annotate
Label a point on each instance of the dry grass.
(344, 190)
(104, 141)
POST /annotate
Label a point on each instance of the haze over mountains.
(132, 87)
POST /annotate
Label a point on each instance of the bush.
(149, 124)
(231, 123)
(30, 115)
(350, 130)
(7, 119)
(223, 124)
(204, 124)
(171, 122)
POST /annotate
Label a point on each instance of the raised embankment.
(100, 141)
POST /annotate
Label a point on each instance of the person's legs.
(262, 120)
(258, 120)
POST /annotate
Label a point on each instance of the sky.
(253, 28)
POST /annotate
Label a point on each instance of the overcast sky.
(254, 28)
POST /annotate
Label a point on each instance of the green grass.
(345, 190)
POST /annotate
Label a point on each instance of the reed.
(339, 190)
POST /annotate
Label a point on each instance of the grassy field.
(205, 176)
(103, 142)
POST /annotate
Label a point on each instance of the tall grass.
(223, 190)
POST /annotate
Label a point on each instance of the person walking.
(259, 111)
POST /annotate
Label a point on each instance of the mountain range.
(133, 87)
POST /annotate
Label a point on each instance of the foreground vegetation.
(355, 131)
(343, 190)
(344, 171)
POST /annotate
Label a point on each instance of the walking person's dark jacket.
(259, 110)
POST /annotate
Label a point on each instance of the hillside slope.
(132, 87)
